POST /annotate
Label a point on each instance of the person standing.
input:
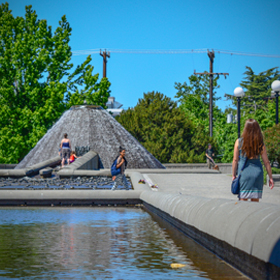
(250, 147)
(209, 157)
(120, 179)
(65, 146)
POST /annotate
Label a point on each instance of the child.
(73, 156)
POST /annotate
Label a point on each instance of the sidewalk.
(205, 185)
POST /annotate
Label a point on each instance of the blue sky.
(244, 26)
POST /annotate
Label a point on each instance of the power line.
(130, 51)
(178, 51)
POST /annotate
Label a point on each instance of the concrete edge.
(88, 161)
(50, 162)
(64, 173)
(8, 166)
(30, 170)
(14, 172)
(135, 177)
(233, 231)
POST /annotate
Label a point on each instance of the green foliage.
(272, 140)
(194, 101)
(160, 126)
(35, 84)
(93, 92)
(256, 103)
(257, 86)
(253, 105)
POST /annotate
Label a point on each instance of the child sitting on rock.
(73, 156)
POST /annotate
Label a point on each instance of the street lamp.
(276, 88)
(238, 92)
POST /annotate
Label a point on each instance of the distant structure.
(114, 107)
(91, 126)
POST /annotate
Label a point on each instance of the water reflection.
(97, 243)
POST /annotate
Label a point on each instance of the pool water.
(99, 243)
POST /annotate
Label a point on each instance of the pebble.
(87, 182)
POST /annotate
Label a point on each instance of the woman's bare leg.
(255, 199)
(243, 199)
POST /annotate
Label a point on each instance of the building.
(114, 107)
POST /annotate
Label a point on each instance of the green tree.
(256, 103)
(160, 126)
(36, 85)
(257, 88)
(272, 140)
(194, 101)
(92, 92)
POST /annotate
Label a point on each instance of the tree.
(36, 85)
(160, 126)
(272, 140)
(194, 101)
(93, 92)
(256, 103)
(258, 88)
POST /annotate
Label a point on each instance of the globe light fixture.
(276, 89)
(238, 93)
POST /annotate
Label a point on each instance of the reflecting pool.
(99, 243)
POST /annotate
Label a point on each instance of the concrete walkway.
(205, 185)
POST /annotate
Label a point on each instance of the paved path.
(205, 185)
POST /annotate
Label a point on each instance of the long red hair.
(252, 139)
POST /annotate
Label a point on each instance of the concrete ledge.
(7, 166)
(30, 170)
(46, 172)
(69, 172)
(15, 172)
(223, 167)
(64, 173)
(135, 177)
(50, 162)
(173, 171)
(68, 197)
(276, 179)
(233, 230)
(89, 161)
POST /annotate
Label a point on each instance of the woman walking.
(250, 147)
(120, 179)
(65, 146)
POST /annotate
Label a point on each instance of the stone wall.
(246, 235)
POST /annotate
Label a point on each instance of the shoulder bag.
(235, 182)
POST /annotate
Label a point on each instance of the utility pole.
(104, 55)
(211, 55)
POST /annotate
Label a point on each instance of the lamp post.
(276, 88)
(239, 93)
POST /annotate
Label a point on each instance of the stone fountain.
(91, 126)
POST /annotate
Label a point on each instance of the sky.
(250, 26)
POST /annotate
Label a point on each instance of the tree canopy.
(37, 80)
(163, 129)
(272, 140)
